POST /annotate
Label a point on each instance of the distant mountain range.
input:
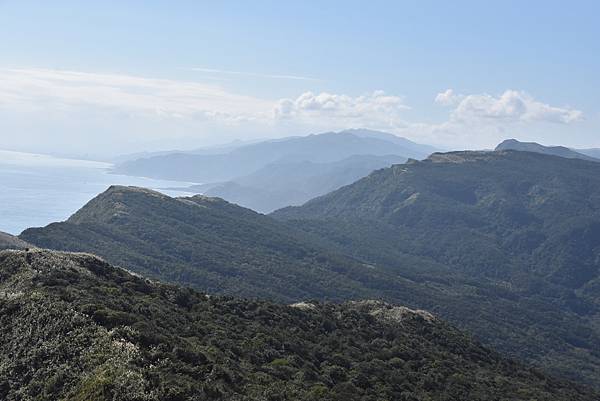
(209, 150)
(293, 183)
(77, 328)
(272, 174)
(504, 244)
(561, 151)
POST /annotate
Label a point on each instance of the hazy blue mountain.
(590, 152)
(77, 328)
(282, 184)
(418, 151)
(209, 150)
(513, 144)
(244, 160)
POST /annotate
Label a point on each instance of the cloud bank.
(50, 90)
(53, 109)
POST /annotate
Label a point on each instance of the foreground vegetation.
(73, 327)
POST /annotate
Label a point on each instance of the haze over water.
(36, 190)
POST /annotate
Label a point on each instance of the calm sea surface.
(36, 190)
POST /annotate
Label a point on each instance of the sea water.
(36, 190)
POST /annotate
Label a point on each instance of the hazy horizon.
(156, 77)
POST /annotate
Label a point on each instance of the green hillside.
(495, 214)
(528, 224)
(205, 242)
(75, 328)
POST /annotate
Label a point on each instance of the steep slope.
(528, 223)
(8, 241)
(321, 148)
(561, 151)
(293, 183)
(73, 327)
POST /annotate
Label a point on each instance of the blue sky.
(111, 77)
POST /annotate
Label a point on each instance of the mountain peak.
(560, 151)
(123, 189)
(115, 202)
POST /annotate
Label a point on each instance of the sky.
(112, 77)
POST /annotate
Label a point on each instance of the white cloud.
(447, 98)
(375, 109)
(511, 106)
(482, 120)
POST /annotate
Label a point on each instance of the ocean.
(36, 190)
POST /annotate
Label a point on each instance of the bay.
(36, 190)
